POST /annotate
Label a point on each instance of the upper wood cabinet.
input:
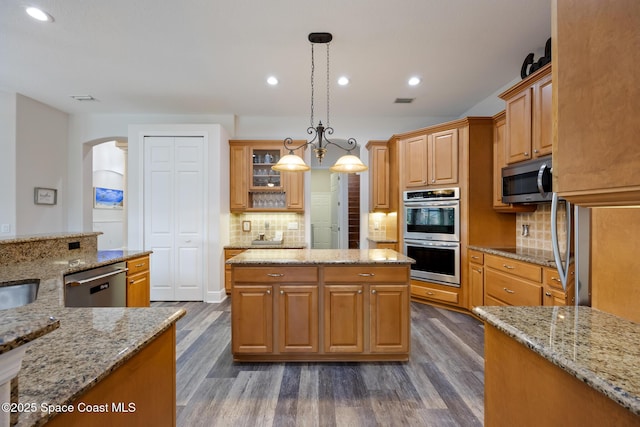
(430, 159)
(499, 127)
(254, 186)
(379, 195)
(596, 152)
(529, 130)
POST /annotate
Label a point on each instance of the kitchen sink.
(18, 293)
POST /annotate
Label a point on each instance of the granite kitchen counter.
(598, 348)
(320, 256)
(534, 256)
(267, 246)
(88, 344)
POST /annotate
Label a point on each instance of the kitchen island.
(560, 366)
(96, 368)
(320, 305)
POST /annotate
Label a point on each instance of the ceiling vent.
(83, 98)
(403, 100)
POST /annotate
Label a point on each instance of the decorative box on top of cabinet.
(529, 117)
(254, 186)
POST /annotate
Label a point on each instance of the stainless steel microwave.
(527, 182)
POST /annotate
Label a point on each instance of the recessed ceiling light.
(83, 97)
(413, 81)
(272, 80)
(39, 14)
(343, 81)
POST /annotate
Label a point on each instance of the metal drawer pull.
(366, 274)
(281, 292)
(475, 257)
(275, 274)
(140, 265)
(556, 279)
(477, 271)
(373, 291)
(430, 293)
(268, 291)
(510, 267)
(509, 291)
(360, 291)
(548, 294)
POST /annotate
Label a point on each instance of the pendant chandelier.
(320, 143)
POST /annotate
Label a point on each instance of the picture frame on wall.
(108, 198)
(45, 196)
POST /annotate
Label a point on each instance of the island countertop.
(89, 343)
(598, 348)
(320, 256)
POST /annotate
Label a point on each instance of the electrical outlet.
(6, 228)
(292, 226)
(376, 225)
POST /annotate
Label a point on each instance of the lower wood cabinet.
(229, 253)
(320, 313)
(476, 279)
(138, 282)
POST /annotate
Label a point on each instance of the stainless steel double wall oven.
(432, 234)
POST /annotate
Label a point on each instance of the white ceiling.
(213, 56)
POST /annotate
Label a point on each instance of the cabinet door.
(476, 285)
(343, 319)
(389, 318)
(379, 177)
(511, 289)
(415, 161)
(298, 319)
(518, 135)
(252, 319)
(294, 189)
(239, 188)
(499, 127)
(138, 290)
(262, 159)
(542, 117)
(443, 157)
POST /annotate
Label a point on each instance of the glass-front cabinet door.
(262, 176)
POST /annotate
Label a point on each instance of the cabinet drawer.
(275, 274)
(516, 268)
(230, 253)
(512, 290)
(476, 256)
(552, 278)
(364, 273)
(435, 294)
(137, 265)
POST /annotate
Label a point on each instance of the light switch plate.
(292, 226)
(6, 228)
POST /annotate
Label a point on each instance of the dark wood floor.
(441, 385)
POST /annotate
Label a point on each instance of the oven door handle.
(429, 204)
(425, 243)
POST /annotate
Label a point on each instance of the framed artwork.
(45, 196)
(108, 198)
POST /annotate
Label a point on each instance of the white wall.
(491, 105)
(8, 164)
(41, 161)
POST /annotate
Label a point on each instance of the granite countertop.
(274, 246)
(49, 236)
(534, 256)
(320, 256)
(89, 342)
(381, 240)
(598, 348)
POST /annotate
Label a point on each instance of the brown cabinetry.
(529, 131)
(138, 283)
(476, 278)
(229, 253)
(358, 312)
(379, 195)
(430, 159)
(596, 156)
(254, 186)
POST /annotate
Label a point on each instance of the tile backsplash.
(539, 224)
(259, 221)
(383, 226)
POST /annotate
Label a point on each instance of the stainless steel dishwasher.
(99, 287)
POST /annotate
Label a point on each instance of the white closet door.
(174, 210)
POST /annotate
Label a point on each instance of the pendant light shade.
(290, 163)
(348, 164)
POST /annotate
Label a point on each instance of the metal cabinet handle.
(556, 279)
(475, 257)
(508, 267)
(477, 271)
(268, 291)
(433, 181)
(140, 265)
(281, 292)
(526, 154)
(548, 294)
(509, 291)
(360, 291)
(430, 293)
(373, 291)
(366, 274)
(535, 150)
(275, 274)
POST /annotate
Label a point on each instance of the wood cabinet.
(596, 152)
(383, 245)
(254, 186)
(499, 162)
(325, 312)
(153, 368)
(138, 282)
(430, 159)
(229, 253)
(476, 278)
(379, 195)
(529, 131)
(553, 294)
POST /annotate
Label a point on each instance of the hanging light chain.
(313, 66)
(328, 121)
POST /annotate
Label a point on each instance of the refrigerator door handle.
(563, 270)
